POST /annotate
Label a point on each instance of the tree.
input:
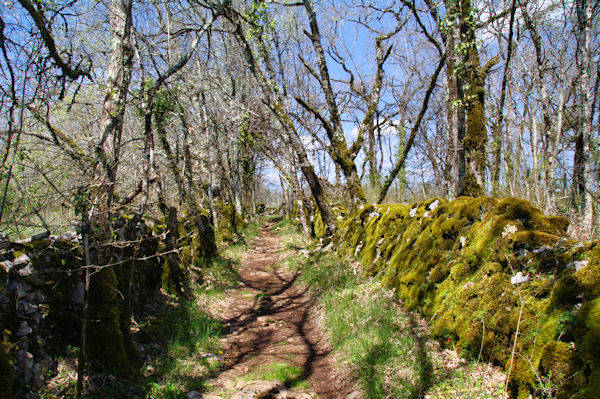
(585, 100)
(274, 101)
(105, 341)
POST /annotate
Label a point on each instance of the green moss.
(6, 370)
(588, 332)
(592, 387)
(565, 292)
(105, 347)
(560, 361)
(319, 227)
(454, 263)
(588, 277)
(532, 239)
(522, 378)
(229, 222)
(439, 272)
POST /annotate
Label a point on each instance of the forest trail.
(272, 333)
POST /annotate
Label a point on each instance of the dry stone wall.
(42, 290)
(471, 264)
(41, 294)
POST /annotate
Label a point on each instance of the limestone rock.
(294, 394)
(355, 395)
(40, 369)
(256, 389)
(6, 265)
(21, 260)
(198, 395)
(23, 330)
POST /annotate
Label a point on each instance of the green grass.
(466, 382)
(190, 333)
(247, 234)
(367, 329)
(220, 273)
(384, 353)
(274, 218)
(289, 375)
(374, 335)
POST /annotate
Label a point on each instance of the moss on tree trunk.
(105, 344)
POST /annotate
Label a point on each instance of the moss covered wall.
(454, 261)
(41, 297)
(230, 223)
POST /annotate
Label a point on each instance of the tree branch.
(42, 24)
(326, 125)
(413, 132)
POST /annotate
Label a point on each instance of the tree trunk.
(299, 195)
(339, 152)
(172, 278)
(106, 349)
(125, 273)
(374, 178)
(584, 10)
(497, 134)
(471, 85)
(286, 202)
(452, 111)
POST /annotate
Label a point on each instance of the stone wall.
(42, 290)
(470, 264)
(41, 293)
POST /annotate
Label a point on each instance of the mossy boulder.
(457, 262)
(189, 242)
(319, 228)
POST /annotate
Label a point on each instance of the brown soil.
(270, 318)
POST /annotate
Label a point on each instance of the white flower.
(374, 215)
(509, 230)
(426, 215)
(519, 278)
(463, 241)
(413, 212)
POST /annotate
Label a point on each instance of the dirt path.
(269, 321)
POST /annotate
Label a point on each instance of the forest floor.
(274, 343)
